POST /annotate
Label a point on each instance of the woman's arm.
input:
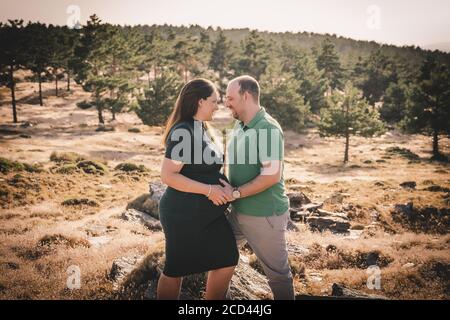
(170, 175)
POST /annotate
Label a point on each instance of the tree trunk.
(13, 94)
(56, 84)
(347, 132)
(347, 140)
(40, 89)
(100, 116)
(435, 143)
(148, 79)
(68, 80)
(113, 115)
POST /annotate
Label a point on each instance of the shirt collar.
(258, 116)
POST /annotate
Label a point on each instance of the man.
(260, 207)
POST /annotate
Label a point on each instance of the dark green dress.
(198, 235)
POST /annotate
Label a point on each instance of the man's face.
(233, 100)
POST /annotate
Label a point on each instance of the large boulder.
(142, 218)
(149, 202)
(332, 223)
(341, 291)
(298, 199)
(137, 277)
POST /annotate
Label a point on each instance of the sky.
(399, 22)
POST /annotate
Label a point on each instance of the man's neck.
(251, 113)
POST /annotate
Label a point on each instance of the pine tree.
(221, 54)
(90, 63)
(12, 56)
(328, 61)
(279, 96)
(159, 99)
(349, 114)
(312, 83)
(254, 56)
(428, 108)
(39, 52)
(374, 76)
(394, 103)
(58, 53)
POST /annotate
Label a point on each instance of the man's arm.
(269, 176)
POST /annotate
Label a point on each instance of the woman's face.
(207, 107)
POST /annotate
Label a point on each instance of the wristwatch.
(236, 193)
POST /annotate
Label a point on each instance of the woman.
(192, 210)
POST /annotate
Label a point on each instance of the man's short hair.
(250, 85)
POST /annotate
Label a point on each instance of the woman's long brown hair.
(186, 105)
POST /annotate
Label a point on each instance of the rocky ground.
(73, 198)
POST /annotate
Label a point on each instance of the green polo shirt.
(259, 141)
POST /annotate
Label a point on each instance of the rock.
(105, 186)
(424, 219)
(291, 226)
(121, 267)
(142, 218)
(315, 277)
(436, 188)
(296, 249)
(149, 202)
(26, 124)
(339, 290)
(297, 199)
(354, 234)
(99, 241)
(336, 198)
(408, 265)
(324, 213)
(408, 185)
(246, 283)
(379, 183)
(299, 216)
(312, 207)
(334, 224)
(404, 209)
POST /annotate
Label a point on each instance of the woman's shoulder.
(182, 125)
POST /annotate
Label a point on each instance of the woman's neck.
(197, 119)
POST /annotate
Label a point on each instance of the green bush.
(66, 157)
(84, 105)
(12, 166)
(67, 168)
(9, 165)
(131, 167)
(80, 202)
(105, 129)
(134, 130)
(92, 167)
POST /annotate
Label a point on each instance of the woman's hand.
(217, 195)
(228, 189)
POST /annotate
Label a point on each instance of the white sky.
(400, 22)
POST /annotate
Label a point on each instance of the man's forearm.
(257, 185)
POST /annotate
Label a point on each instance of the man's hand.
(228, 190)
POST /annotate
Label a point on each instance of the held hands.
(220, 195)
